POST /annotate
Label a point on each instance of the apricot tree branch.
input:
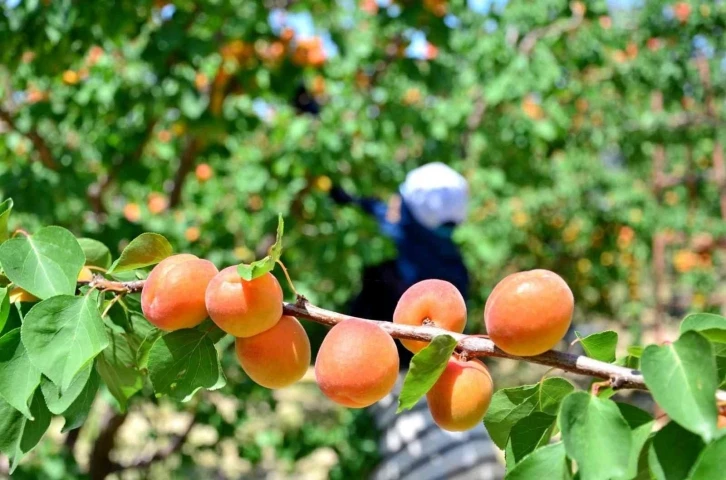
(46, 157)
(472, 345)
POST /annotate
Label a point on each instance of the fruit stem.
(287, 276)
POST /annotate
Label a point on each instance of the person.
(421, 218)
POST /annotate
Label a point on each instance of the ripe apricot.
(203, 172)
(277, 357)
(17, 294)
(244, 308)
(357, 364)
(435, 300)
(461, 396)
(173, 294)
(529, 312)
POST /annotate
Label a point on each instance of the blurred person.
(420, 219)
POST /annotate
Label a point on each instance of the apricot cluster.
(357, 365)
(183, 290)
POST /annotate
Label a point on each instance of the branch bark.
(473, 346)
(186, 164)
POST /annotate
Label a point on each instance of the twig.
(472, 345)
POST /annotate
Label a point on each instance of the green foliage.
(600, 346)
(267, 264)
(144, 250)
(427, 365)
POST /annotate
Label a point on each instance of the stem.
(287, 275)
(474, 346)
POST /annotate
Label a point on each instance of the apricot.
(461, 396)
(173, 294)
(357, 364)
(529, 312)
(721, 421)
(20, 295)
(85, 275)
(437, 301)
(244, 308)
(277, 357)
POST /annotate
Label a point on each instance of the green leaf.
(596, 436)
(673, 452)
(45, 264)
(5, 209)
(635, 351)
(118, 369)
(144, 250)
(710, 464)
(18, 435)
(640, 423)
(62, 334)
(709, 325)
(182, 362)
(426, 367)
(544, 463)
(682, 378)
(75, 415)
(600, 346)
(510, 405)
(58, 402)
(528, 434)
(97, 254)
(260, 267)
(18, 377)
(4, 307)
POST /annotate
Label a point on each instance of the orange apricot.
(173, 294)
(244, 308)
(19, 295)
(203, 172)
(529, 312)
(437, 301)
(357, 364)
(461, 396)
(277, 357)
(721, 421)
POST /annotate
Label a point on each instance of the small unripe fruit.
(529, 312)
(461, 396)
(244, 308)
(357, 364)
(437, 301)
(173, 294)
(277, 357)
(85, 275)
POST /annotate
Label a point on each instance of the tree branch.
(186, 164)
(473, 346)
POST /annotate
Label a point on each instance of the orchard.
(151, 327)
(67, 334)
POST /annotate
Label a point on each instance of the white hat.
(435, 194)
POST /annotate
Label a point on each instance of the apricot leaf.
(510, 405)
(58, 401)
(260, 267)
(62, 334)
(426, 367)
(182, 362)
(5, 209)
(673, 452)
(709, 325)
(600, 346)
(45, 264)
(528, 434)
(682, 378)
(595, 435)
(97, 254)
(640, 423)
(547, 462)
(18, 376)
(710, 463)
(144, 250)
(4, 307)
(77, 412)
(18, 435)
(117, 367)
